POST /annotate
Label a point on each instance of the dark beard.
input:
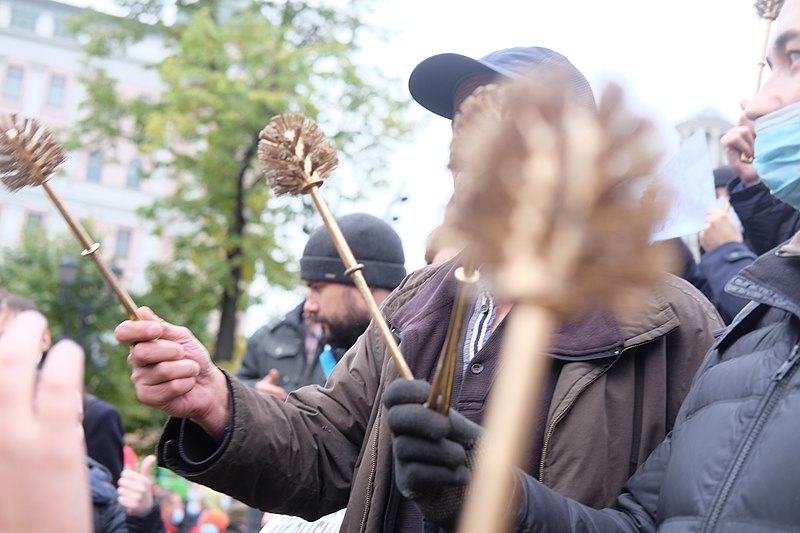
(344, 333)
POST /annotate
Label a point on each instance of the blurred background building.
(40, 71)
(715, 124)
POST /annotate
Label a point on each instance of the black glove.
(432, 453)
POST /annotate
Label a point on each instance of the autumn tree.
(226, 68)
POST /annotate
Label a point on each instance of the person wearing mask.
(728, 463)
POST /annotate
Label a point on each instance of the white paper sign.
(689, 179)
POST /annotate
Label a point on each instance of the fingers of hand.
(406, 391)
(131, 482)
(153, 352)
(147, 466)
(443, 452)
(740, 141)
(418, 421)
(159, 384)
(134, 493)
(160, 395)
(175, 333)
(273, 376)
(136, 331)
(59, 393)
(419, 478)
(463, 430)
(19, 354)
(266, 389)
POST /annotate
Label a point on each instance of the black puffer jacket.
(730, 464)
(766, 220)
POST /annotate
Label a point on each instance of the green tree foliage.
(86, 312)
(227, 67)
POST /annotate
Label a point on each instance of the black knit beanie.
(374, 244)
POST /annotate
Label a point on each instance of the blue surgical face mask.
(177, 516)
(777, 153)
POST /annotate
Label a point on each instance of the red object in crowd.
(129, 457)
(213, 517)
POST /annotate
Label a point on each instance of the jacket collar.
(772, 278)
(596, 335)
(654, 318)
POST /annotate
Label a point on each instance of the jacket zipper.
(561, 414)
(373, 462)
(778, 384)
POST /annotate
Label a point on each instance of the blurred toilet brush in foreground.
(29, 157)
(297, 157)
(549, 203)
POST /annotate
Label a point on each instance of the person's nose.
(311, 306)
(766, 100)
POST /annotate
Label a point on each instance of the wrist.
(217, 417)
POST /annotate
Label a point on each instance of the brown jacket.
(329, 447)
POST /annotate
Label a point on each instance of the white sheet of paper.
(689, 178)
(292, 524)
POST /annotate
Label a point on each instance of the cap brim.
(434, 81)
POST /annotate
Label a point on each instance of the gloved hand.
(432, 453)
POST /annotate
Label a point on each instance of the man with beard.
(302, 347)
(288, 353)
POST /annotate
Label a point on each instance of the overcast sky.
(676, 57)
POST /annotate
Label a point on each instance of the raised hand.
(135, 488)
(43, 473)
(268, 386)
(718, 230)
(172, 371)
(432, 452)
(739, 143)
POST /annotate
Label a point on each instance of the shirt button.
(484, 308)
(476, 368)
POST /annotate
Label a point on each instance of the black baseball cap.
(433, 83)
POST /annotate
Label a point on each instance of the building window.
(33, 223)
(123, 245)
(95, 167)
(60, 27)
(13, 85)
(55, 94)
(24, 16)
(134, 174)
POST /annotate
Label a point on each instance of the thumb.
(273, 376)
(147, 313)
(147, 465)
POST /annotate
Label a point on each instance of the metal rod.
(763, 58)
(442, 383)
(90, 249)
